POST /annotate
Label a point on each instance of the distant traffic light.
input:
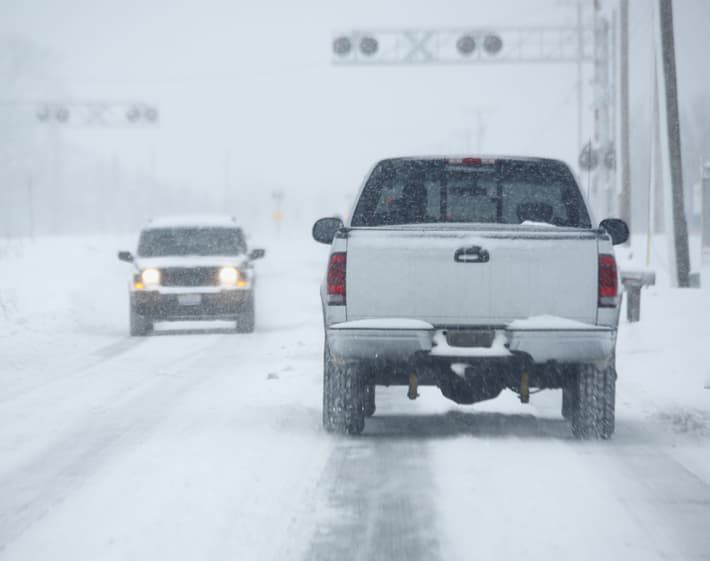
(368, 46)
(416, 46)
(342, 46)
(492, 44)
(466, 45)
(96, 113)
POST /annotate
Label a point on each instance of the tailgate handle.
(473, 254)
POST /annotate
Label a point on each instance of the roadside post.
(633, 282)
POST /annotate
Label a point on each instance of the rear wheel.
(369, 400)
(246, 317)
(569, 398)
(343, 395)
(139, 325)
(593, 396)
(608, 413)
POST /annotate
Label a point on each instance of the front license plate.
(189, 299)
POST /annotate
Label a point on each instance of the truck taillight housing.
(336, 279)
(608, 282)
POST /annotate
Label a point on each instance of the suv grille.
(197, 276)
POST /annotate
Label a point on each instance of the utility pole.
(31, 206)
(625, 151)
(580, 79)
(604, 173)
(706, 214)
(672, 130)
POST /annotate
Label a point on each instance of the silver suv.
(195, 268)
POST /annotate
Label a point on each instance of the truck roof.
(192, 221)
(484, 157)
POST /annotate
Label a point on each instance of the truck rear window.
(449, 191)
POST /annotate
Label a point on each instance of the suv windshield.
(495, 191)
(191, 241)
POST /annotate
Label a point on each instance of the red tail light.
(608, 282)
(336, 279)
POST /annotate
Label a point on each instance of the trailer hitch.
(412, 393)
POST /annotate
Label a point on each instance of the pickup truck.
(473, 274)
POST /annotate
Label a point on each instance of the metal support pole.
(625, 195)
(706, 215)
(680, 227)
(633, 282)
(604, 192)
(633, 304)
(580, 79)
(30, 207)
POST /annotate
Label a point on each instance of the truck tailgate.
(471, 277)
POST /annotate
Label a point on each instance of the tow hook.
(524, 388)
(412, 393)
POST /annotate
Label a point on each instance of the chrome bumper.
(542, 345)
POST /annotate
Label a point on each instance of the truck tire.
(608, 414)
(343, 396)
(139, 326)
(593, 395)
(246, 317)
(369, 400)
(569, 397)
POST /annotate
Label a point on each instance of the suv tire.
(246, 317)
(593, 395)
(139, 326)
(343, 395)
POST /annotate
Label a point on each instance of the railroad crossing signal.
(588, 158)
(96, 113)
(563, 44)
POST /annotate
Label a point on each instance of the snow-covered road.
(207, 445)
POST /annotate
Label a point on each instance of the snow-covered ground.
(204, 444)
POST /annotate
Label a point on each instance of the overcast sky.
(252, 82)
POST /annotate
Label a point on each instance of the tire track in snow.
(378, 490)
(378, 504)
(83, 364)
(668, 501)
(29, 493)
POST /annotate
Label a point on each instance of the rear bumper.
(541, 345)
(157, 306)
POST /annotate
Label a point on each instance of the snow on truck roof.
(473, 157)
(192, 221)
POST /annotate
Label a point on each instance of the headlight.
(150, 277)
(228, 276)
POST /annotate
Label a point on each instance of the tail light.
(608, 282)
(336, 279)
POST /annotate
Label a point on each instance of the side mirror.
(125, 256)
(256, 254)
(617, 229)
(324, 229)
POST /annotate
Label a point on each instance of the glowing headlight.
(228, 276)
(150, 277)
